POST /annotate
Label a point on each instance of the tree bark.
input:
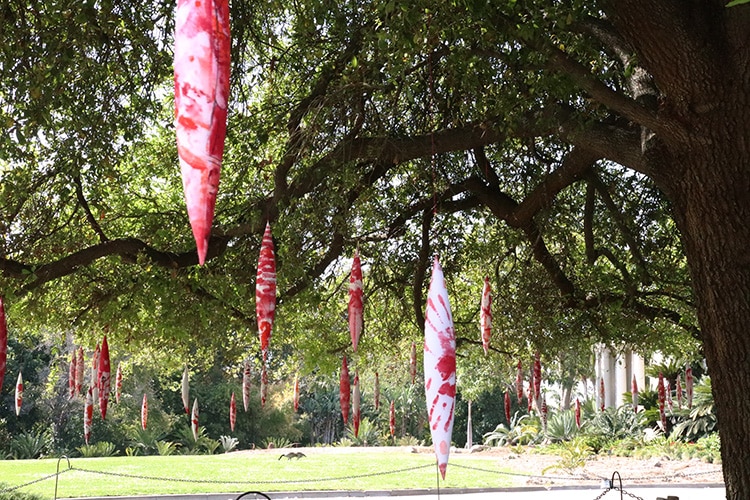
(712, 210)
(695, 53)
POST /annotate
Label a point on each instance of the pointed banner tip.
(202, 249)
(443, 468)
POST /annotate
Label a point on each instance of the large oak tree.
(587, 154)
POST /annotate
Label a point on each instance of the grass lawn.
(322, 469)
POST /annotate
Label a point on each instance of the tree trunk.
(697, 54)
(712, 209)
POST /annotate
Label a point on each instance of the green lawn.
(322, 469)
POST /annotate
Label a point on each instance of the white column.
(621, 377)
(638, 368)
(608, 373)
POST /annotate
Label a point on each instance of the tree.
(594, 156)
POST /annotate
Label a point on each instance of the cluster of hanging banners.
(201, 84)
(201, 74)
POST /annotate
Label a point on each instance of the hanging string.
(431, 121)
(437, 479)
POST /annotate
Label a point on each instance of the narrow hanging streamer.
(440, 366)
(72, 376)
(485, 315)
(356, 301)
(194, 419)
(80, 370)
(392, 419)
(94, 381)
(356, 400)
(144, 412)
(661, 391)
(232, 413)
(88, 415)
(246, 386)
(265, 291)
(519, 382)
(19, 394)
(201, 92)
(118, 383)
(344, 391)
(104, 378)
(3, 343)
(507, 407)
(185, 393)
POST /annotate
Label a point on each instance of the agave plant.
(189, 445)
(617, 423)
(228, 443)
(100, 449)
(522, 430)
(367, 436)
(562, 426)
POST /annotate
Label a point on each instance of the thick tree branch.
(127, 248)
(504, 207)
(598, 90)
(673, 46)
(574, 166)
(617, 143)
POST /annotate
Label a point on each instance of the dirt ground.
(631, 470)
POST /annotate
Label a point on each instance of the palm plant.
(164, 448)
(28, 445)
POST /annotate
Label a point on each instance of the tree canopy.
(548, 145)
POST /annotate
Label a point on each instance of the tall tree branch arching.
(633, 245)
(295, 132)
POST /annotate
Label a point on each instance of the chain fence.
(606, 484)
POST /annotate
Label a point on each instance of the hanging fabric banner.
(265, 291)
(356, 301)
(440, 366)
(485, 315)
(201, 91)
